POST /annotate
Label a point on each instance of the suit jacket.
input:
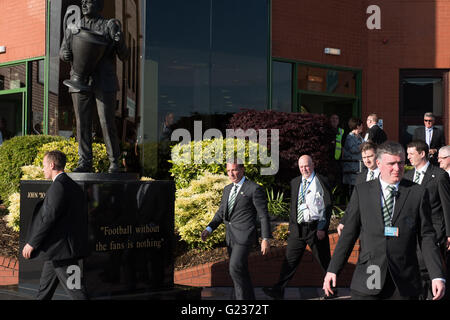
(396, 255)
(104, 77)
(295, 188)
(59, 227)
(437, 139)
(376, 135)
(362, 176)
(250, 204)
(437, 182)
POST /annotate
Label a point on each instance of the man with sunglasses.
(433, 137)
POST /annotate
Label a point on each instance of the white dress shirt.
(313, 199)
(376, 173)
(428, 135)
(422, 171)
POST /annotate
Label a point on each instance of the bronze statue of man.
(101, 84)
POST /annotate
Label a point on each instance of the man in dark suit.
(309, 220)
(103, 82)
(59, 232)
(432, 136)
(374, 132)
(243, 201)
(437, 182)
(390, 216)
(370, 171)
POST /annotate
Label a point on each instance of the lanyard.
(307, 187)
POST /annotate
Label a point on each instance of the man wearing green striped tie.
(390, 216)
(309, 220)
(242, 202)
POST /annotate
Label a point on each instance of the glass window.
(326, 80)
(13, 77)
(204, 60)
(282, 86)
(421, 91)
(36, 98)
(239, 56)
(422, 95)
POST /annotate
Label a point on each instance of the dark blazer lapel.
(374, 202)
(400, 201)
(239, 195)
(428, 175)
(434, 138)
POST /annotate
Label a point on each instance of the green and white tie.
(371, 176)
(388, 206)
(232, 198)
(417, 177)
(300, 200)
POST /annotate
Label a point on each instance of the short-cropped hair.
(58, 158)
(429, 115)
(420, 146)
(390, 147)
(368, 145)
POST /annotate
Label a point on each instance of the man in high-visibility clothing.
(334, 121)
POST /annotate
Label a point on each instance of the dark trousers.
(58, 272)
(83, 103)
(427, 293)
(388, 292)
(243, 288)
(295, 249)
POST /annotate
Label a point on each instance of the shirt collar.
(313, 174)
(240, 183)
(424, 168)
(376, 171)
(57, 175)
(385, 184)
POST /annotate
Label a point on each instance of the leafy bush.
(195, 207)
(281, 232)
(100, 161)
(15, 153)
(32, 173)
(276, 205)
(299, 134)
(13, 218)
(211, 156)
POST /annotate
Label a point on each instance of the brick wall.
(413, 34)
(265, 270)
(9, 271)
(22, 29)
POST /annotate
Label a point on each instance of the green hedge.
(100, 162)
(195, 206)
(185, 168)
(14, 154)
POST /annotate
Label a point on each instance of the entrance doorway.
(11, 115)
(328, 105)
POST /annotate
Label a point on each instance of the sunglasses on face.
(428, 120)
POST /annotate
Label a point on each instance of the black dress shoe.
(271, 292)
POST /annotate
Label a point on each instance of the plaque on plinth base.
(131, 238)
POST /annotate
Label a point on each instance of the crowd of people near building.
(401, 219)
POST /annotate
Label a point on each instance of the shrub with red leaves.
(299, 134)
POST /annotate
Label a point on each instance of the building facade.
(207, 59)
